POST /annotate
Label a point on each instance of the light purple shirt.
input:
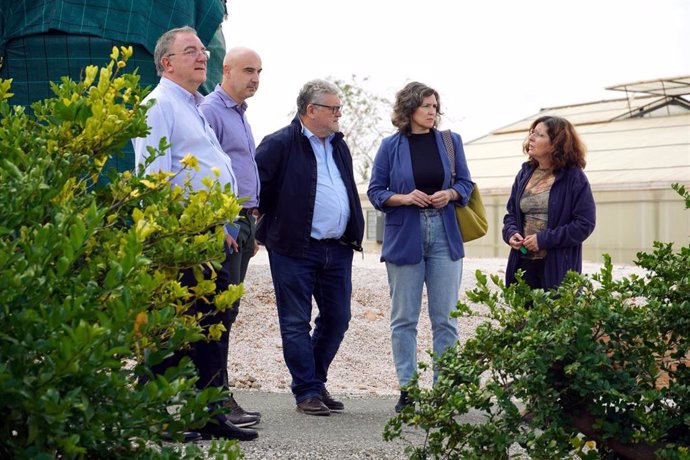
(176, 117)
(230, 124)
(331, 206)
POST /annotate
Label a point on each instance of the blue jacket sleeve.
(269, 161)
(379, 184)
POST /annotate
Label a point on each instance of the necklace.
(540, 176)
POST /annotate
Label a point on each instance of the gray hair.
(311, 93)
(164, 43)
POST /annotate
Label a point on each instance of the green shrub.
(594, 368)
(89, 291)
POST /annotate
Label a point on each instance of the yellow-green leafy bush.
(89, 291)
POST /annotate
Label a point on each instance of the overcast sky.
(492, 61)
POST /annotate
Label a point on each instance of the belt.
(326, 241)
(334, 241)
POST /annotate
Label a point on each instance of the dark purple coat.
(572, 216)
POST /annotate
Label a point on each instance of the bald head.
(241, 70)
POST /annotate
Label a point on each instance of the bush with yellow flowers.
(89, 290)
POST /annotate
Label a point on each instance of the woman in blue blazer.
(411, 183)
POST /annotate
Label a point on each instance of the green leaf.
(11, 169)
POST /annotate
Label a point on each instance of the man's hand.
(232, 244)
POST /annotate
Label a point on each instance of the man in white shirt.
(181, 60)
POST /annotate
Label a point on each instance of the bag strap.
(450, 150)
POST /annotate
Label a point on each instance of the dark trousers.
(324, 272)
(534, 272)
(209, 357)
(237, 265)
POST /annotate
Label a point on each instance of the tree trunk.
(582, 420)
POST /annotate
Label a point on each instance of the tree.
(89, 290)
(364, 122)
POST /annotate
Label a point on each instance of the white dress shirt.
(176, 116)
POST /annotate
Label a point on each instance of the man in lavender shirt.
(225, 110)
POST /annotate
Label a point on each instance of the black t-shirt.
(427, 168)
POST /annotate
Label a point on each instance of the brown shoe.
(313, 406)
(331, 403)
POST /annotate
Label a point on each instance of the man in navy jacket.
(311, 221)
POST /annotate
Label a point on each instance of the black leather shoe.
(221, 427)
(331, 403)
(403, 402)
(187, 436)
(313, 406)
(238, 416)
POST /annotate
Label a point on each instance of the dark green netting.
(129, 21)
(41, 41)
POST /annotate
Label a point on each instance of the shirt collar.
(196, 98)
(230, 102)
(309, 135)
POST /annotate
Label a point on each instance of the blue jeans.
(442, 278)
(324, 272)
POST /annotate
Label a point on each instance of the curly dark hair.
(407, 100)
(568, 149)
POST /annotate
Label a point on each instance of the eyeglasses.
(334, 108)
(534, 133)
(193, 53)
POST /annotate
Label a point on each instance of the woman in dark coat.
(551, 209)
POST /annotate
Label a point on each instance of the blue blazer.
(392, 174)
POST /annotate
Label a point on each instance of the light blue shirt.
(331, 208)
(176, 116)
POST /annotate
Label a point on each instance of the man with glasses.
(181, 60)
(225, 111)
(311, 221)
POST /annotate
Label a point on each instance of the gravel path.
(364, 364)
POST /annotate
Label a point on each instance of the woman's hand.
(515, 241)
(414, 198)
(441, 198)
(531, 243)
